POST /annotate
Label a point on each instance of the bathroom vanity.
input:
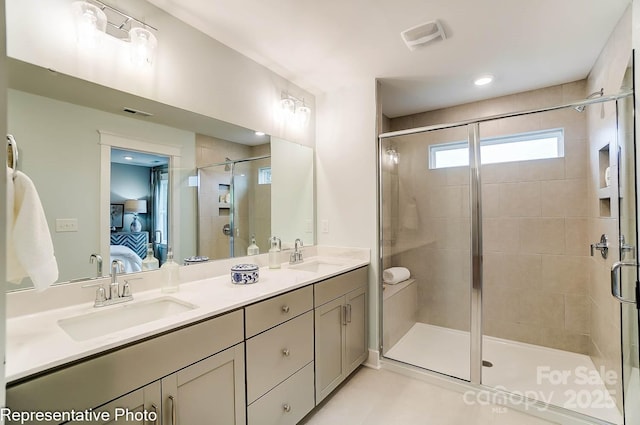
(265, 353)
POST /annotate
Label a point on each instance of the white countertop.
(35, 342)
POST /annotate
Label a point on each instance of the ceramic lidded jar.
(243, 274)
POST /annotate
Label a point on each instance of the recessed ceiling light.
(128, 158)
(259, 133)
(483, 80)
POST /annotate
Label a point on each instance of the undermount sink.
(100, 323)
(318, 266)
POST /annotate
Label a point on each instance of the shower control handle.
(602, 246)
(226, 230)
(624, 248)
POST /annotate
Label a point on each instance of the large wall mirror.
(131, 172)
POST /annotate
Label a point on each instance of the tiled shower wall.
(535, 225)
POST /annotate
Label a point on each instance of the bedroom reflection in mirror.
(139, 208)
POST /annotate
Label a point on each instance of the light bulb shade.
(288, 106)
(303, 114)
(135, 206)
(91, 23)
(393, 155)
(143, 46)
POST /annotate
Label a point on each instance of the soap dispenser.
(150, 262)
(253, 248)
(274, 252)
(170, 274)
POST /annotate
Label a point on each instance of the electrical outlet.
(324, 224)
(66, 225)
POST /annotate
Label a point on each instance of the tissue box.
(243, 274)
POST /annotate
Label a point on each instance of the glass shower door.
(627, 254)
(552, 228)
(425, 227)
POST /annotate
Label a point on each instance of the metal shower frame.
(473, 125)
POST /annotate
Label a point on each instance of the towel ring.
(12, 154)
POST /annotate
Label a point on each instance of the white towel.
(132, 261)
(395, 275)
(30, 249)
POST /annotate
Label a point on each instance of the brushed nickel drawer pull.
(286, 352)
(286, 407)
(285, 308)
(174, 419)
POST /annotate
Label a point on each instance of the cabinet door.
(329, 349)
(140, 407)
(209, 392)
(356, 329)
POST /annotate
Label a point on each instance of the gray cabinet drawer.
(287, 403)
(335, 287)
(275, 355)
(270, 313)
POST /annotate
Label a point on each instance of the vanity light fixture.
(91, 22)
(294, 109)
(303, 114)
(392, 153)
(94, 17)
(143, 46)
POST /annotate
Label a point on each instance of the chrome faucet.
(296, 255)
(97, 258)
(114, 295)
(117, 266)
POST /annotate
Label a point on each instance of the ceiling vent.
(423, 34)
(138, 112)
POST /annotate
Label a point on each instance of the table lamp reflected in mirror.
(135, 207)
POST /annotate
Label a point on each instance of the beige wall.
(535, 221)
(607, 73)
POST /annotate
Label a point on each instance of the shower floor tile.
(556, 377)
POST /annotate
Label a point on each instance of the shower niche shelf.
(605, 191)
(223, 191)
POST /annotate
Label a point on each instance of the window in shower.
(264, 175)
(515, 147)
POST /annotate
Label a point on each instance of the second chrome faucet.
(114, 294)
(296, 255)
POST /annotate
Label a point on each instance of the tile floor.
(382, 397)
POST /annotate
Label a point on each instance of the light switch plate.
(325, 226)
(66, 225)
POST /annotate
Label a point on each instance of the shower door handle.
(616, 289)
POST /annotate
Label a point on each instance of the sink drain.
(486, 363)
